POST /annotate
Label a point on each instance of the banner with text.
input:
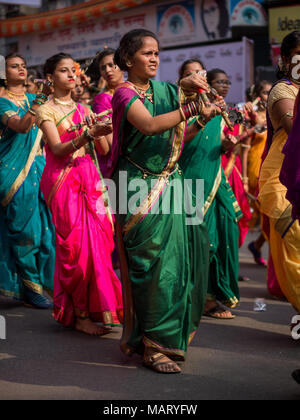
(282, 21)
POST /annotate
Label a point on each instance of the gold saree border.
(213, 192)
(146, 205)
(24, 172)
(33, 286)
(176, 353)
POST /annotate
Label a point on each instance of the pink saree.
(84, 281)
(232, 166)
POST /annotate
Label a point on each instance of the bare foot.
(160, 363)
(89, 327)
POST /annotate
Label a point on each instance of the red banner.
(64, 17)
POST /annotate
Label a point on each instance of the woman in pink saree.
(86, 289)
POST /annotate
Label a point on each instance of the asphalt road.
(250, 357)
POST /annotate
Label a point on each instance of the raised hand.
(193, 83)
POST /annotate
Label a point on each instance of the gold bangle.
(182, 114)
(200, 123)
(74, 145)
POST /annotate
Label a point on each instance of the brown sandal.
(155, 362)
(216, 312)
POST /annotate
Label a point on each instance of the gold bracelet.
(200, 123)
(246, 146)
(74, 145)
(182, 114)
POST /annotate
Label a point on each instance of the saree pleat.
(167, 258)
(201, 159)
(27, 228)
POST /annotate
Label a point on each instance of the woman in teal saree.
(167, 257)
(201, 159)
(26, 230)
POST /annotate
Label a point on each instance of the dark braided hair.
(52, 62)
(93, 70)
(8, 57)
(211, 75)
(186, 63)
(130, 44)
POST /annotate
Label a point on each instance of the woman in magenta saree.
(290, 171)
(105, 67)
(86, 288)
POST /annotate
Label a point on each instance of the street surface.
(249, 357)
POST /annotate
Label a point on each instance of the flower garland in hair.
(78, 69)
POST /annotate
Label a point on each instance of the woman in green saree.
(201, 159)
(167, 257)
(26, 230)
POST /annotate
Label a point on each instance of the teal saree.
(201, 159)
(167, 257)
(26, 229)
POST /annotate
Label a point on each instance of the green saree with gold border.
(167, 256)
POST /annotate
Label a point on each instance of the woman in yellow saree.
(283, 235)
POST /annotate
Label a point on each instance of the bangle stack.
(190, 110)
(40, 99)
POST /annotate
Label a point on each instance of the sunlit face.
(192, 68)
(264, 93)
(64, 76)
(222, 84)
(211, 15)
(145, 61)
(110, 72)
(16, 70)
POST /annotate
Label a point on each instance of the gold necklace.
(13, 94)
(142, 92)
(64, 103)
(19, 102)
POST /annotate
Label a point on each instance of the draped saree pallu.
(282, 232)
(26, 231)
(201, 159)
(84, 282)
(232, 165)
(290, 171)
(167, 257)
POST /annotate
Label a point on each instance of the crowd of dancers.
(67, 139)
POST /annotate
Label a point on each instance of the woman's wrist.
(191, 109)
